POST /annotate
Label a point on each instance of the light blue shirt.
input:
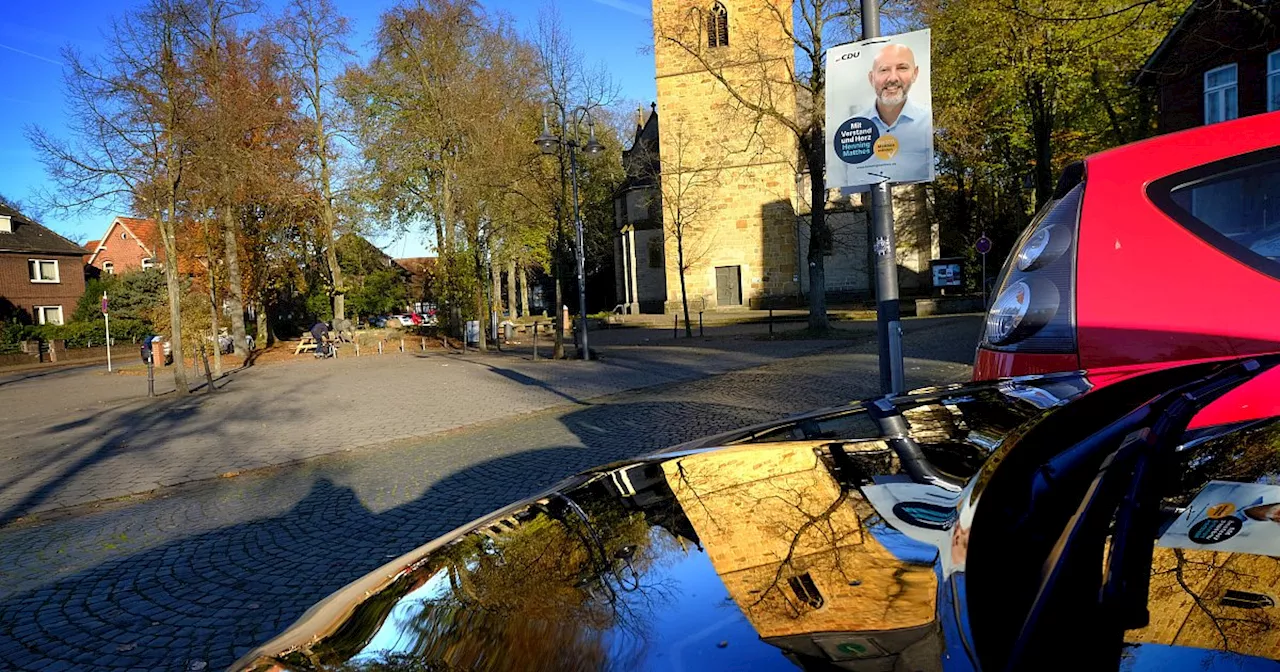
(913, 130)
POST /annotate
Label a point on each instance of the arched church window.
(718, 26)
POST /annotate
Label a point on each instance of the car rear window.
(1233, 205)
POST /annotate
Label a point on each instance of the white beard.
(892, 100)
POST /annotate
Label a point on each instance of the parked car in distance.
(1159, 252)
(963, 527)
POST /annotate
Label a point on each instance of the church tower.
(728, 164)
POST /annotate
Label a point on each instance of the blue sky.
(614, 32)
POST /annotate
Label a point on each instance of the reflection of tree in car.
(543, 591)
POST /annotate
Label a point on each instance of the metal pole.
(675, 326)
(151, 375)
(699, 324)
(582, 284)
(984, 280)
(106, 318)
(535, 340)
(888, 317)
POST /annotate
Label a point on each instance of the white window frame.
(42, 314)
(147, 263)
(57, 274)
(1273, 81)
(1220, 92)
(109, 267)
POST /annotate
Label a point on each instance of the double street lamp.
(550, 144)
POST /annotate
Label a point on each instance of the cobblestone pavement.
(195, 575)
(80, 435)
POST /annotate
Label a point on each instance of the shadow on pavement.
(211, 597)
(124, 422)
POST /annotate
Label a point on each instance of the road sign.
(104, 305)
(983, 245)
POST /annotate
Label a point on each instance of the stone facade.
(731, 194)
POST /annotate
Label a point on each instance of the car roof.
(1173, 152)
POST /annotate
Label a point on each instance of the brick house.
(1220, 62)
(130, 244)
(41, 273)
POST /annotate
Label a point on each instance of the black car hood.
(762, 553)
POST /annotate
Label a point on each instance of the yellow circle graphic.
(886, 147)
(1221, 510)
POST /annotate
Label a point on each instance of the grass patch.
(810, 334)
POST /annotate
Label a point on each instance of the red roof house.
(130, 244)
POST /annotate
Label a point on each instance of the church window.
(718, 26)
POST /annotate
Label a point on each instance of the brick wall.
(17, 288)
(1215, 38)
(124, 254)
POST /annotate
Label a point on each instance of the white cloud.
(628, 7)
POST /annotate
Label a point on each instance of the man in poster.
(880, 130)
(892, 73)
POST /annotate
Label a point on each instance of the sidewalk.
(71, 437)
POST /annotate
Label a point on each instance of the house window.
(49, 314)
(147, 263)
(1220, 94)
(655, 253)
(124, 236)
(109, 267)
(718, 26)
(42, 270)
(1273, 81)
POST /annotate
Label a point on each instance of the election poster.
(879, 112)
(1225, 516)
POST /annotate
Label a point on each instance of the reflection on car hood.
(766, 554)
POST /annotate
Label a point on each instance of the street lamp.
(549, 144)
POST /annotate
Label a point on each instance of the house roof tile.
(28, 236)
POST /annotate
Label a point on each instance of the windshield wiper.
(1079, 601)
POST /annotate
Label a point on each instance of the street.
(190, 576)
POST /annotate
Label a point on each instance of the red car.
(1150, 254)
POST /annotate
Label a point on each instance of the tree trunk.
(235, 297)
(684, 292)
(214, 325)
(1042, 135)
(174, 285)
(558, 352)
(264, 334)
(819, 233)
(522, 276)
(495, 277)
(481, 314)
(511, 290)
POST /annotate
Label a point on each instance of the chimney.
(6, 224)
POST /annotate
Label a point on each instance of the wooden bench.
(307, 344)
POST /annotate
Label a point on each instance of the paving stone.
(276, 542)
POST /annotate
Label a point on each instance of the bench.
(307, 344)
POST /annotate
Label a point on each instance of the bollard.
(535, 340)
(151, 378)
(675, 326)
(402, 345)
(770, 320)
(357, 347)
(424, 343)
(699, 324)
(379, 346)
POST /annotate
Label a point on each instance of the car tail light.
(1034, 306)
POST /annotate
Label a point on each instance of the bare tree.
(568, 83)
(687, 192)
(314, 32)
(128, 120)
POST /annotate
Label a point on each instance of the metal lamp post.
(549, 144)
